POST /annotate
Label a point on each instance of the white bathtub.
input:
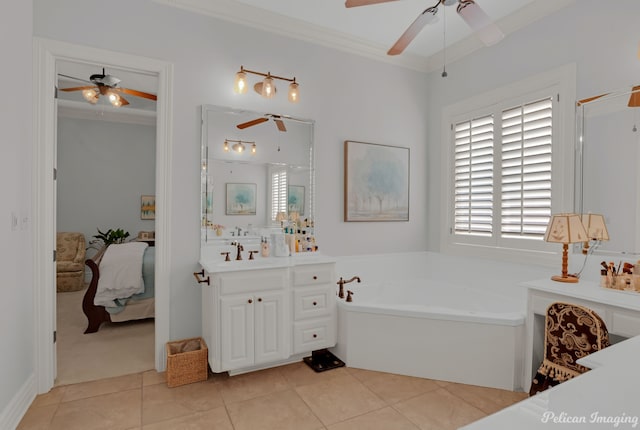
(402, 320)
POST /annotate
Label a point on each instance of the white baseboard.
(11, 415)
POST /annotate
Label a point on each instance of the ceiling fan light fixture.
(294, 92)
(90, 95)
(115, 99)
(240, 84)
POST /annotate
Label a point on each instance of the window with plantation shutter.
(507, 165)
(473, 189)
(278, 192)
(526, 149)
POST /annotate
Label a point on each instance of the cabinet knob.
(315, 335)
(249, 301)
(259, 299)
(315, 277)
(315, 303)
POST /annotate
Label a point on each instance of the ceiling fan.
(469, 10)
(276, 118)
(106, 85)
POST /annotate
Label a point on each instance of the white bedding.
(120, 273)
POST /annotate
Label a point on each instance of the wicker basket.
(186, 361)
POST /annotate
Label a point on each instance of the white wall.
(601, 40)
(103, 169)
(349, 97)
(17, 361)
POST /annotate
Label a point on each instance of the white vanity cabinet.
(314, 307)
(245, 317)
(259, 317)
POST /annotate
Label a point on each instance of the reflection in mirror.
(255, 166)
(607, 160)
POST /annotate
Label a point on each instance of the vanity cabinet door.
(237, 335)
(270, 328)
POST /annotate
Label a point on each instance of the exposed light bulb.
(294, 94)
(240, 84)
(115, 100)
(90, 95)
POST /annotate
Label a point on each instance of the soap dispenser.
(264, 247)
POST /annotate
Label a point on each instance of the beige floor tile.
(381, 419)
(160, 403)
(336, 400)
(298, 374)
(152, 377)
(488, 400)
(395, 388)
(250, 385)
(38, 418)
(284, 410)
(102, 386)
(115, 411)
(53, 397)
(438, 410)
(217, 419)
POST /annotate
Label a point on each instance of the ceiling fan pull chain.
(444, 43)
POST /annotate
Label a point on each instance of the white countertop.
(588, 291)
(216, 263)
(598, 399)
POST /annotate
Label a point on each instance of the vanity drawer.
(312, 335)
(313, 274)
(310, 303)
(252, 280)
(625, 324)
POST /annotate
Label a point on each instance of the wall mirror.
(256, 168)
(607, 160)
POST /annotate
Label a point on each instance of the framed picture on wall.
(241, 199)
(295, 199)
(148, 207)
(376, 182)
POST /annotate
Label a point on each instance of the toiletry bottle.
(264, 246)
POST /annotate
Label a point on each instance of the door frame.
(46, 53)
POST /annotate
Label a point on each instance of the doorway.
(48, 53)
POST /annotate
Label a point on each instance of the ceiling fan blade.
(252, 123)
(590, 99)
(280, 124)
(86, 87)
(138, 93)
(480, 23)
(429, 15)
(123, 101)
(355, 3)
(634, 100)
(75, 79)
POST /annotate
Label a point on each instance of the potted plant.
(110, 236)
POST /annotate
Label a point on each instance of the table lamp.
(565, 228)
(596, 230)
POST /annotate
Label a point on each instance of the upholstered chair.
(70, 254)
(571, 332)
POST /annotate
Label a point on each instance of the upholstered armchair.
(70, 254)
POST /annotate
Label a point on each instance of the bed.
(125, 305)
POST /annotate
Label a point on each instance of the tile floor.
(287, 397)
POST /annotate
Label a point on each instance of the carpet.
(116, 349)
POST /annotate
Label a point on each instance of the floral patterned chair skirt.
(571, 332)
(70, 254)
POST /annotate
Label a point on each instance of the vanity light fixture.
(266, 88)
(565, 228)
(239, 146)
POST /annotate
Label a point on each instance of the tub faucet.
(341, 283)
(239, 248)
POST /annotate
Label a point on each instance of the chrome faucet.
(341, 283)
(239, 248)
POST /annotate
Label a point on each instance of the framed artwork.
(241, 199)
(376, 182)
(148, 207)
(295, 199)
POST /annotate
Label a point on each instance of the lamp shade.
(294, 92)
(240, 84)
(565, 228)
(595, 226)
